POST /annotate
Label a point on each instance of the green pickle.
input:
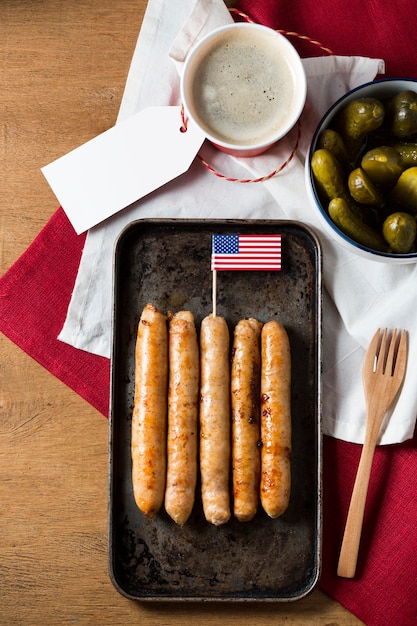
(402, 114)
(399, 231)
(328, 174)
(361, 116)
(331, 140)
(362, 189)
(408, 152)
(346, 220)
(405, 191)
(383, 165)
(358, 118)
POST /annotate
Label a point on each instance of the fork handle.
(353, 529)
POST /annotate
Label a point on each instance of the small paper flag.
(246, 252)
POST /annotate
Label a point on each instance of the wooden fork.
(382, 374)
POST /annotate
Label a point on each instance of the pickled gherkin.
(346, 220)
(405, 191)
(362, 189)
(399, 230)
(408, 152)
(328, 173)
(402, 114)
(358, 118)
(332, 141)
(361, 116)
(383, 165)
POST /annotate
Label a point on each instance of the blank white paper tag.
(122, 165)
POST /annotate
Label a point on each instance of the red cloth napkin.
(34, 298)
(35, 293)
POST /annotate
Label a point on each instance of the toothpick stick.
(214, 292)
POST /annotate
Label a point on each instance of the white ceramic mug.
(244, 85)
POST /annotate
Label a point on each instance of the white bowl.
(382, 89)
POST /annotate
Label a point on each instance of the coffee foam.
(243, 88)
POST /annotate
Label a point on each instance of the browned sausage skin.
(183, 393)
(245, 398)
(275, 419)
(150, 411)
(215, 419)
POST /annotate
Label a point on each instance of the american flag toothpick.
(258, 252)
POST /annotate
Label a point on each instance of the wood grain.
(63, 67)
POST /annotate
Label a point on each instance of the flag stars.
(226, 244)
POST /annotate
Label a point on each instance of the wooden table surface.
(63, 69)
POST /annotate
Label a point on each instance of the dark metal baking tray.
(167, 262)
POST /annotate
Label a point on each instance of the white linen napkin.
(359, 295)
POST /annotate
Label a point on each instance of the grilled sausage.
(150, 411)
(215, 419)
(183, 391)
(245, 398)
(275, 419)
